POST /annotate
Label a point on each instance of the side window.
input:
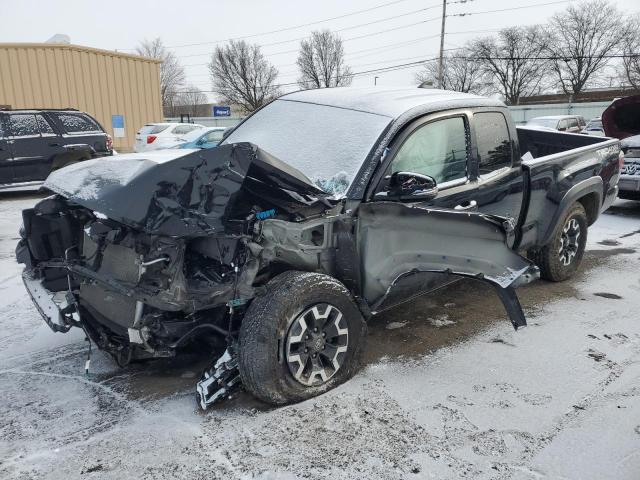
(45, 127)
(493, 140)
(214, 136)
(562, 126)
(573, 122)
(438, 149)
(73, 123)
(24, 125)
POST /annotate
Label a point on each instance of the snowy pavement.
(449, 390)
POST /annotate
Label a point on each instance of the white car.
(156, 136)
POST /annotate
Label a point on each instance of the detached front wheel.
(301, 338)
(560, 259)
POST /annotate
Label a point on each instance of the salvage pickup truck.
(321, 209)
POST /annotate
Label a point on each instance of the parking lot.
(449, 390)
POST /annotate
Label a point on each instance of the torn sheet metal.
(398, 240)
(185, 195)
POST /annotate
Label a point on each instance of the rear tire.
(560, 259)
(304, 336)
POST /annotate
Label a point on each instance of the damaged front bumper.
(55, 307)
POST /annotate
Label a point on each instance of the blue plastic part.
(266, 214)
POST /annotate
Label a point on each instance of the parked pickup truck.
(320, 210)
(33, 143)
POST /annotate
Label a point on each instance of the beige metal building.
(113, 87)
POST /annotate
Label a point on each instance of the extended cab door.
(496, 165)
(35, 144)
(6, 168)
(413, 242)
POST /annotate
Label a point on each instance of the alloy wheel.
(569, 243)
(317, 344)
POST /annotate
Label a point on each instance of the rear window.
(73, 123)
(157, 128)
(24, 125)
(494, 142)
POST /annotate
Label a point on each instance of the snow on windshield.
(327, 144)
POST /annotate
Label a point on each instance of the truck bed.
(553, 164)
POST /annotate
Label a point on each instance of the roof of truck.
(389, 101)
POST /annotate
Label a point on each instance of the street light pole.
(440, 70)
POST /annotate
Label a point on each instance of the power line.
(379, 32)
(294, 27)
(431, 7)
(466, 14)
(391, 68)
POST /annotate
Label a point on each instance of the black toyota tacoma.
(33, 143)
(321, 209)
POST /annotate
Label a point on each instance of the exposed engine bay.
(144, 285)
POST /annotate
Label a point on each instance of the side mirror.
(411, 186)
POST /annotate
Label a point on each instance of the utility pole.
(375, 80)
(440, 69)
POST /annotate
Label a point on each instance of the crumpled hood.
(621, 119)
(182, 192)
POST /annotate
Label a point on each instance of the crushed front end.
(147, 255)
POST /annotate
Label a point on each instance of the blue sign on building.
(117, 123)
(221, 111)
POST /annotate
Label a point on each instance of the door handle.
(54, 144)
(467, 205)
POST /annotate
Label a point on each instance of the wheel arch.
(587, 192)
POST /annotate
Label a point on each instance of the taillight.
(621, 160)
(151, 138)
(109, 142)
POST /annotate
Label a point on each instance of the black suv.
(33, 143)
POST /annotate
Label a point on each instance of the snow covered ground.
(449, 390)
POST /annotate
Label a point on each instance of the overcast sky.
(415, 24)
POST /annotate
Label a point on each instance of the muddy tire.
(302, 337)
(560, 259)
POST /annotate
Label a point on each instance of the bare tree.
(461, 73)
(513, 60)
(580, 41)
(631, 59)
(241, 75)
(321, 62)
(193, 101)
(171, 72)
